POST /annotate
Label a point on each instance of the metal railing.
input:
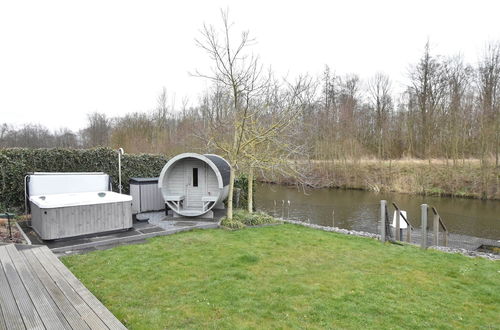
(438, 222)
(409, 226)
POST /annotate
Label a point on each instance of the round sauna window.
(101, 194)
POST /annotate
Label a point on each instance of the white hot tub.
(57, 215)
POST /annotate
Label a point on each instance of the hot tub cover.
(46, 183)
(76, 199)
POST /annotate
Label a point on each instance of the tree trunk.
(497, 141)
(229, 213)
(250, 190)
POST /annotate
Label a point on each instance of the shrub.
(241, 219)
(232, 224)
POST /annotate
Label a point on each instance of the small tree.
(236, 75)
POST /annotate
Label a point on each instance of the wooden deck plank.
(26, 308)
(39, 292)
(106, 316)
(2, 320)
(86, 313)
(67, 309)
(3, 326)
(50, 315)
(10, 312)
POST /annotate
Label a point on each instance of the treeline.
(165, 130)
(449, 109)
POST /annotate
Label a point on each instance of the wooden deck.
(38, 292)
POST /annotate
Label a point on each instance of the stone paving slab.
(158, 224)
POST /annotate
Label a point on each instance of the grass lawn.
(289, 276)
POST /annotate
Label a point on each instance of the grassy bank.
(469, 178)
(289, 276)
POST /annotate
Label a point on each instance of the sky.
(60, 60)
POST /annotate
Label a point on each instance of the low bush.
(242, 218)
(232, 224)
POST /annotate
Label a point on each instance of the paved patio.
(154, 224)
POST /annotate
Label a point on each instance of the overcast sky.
(60, 60)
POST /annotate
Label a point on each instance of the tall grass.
(466, 178)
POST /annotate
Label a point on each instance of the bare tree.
(379, 90)
(428, 85)
(238, 74)
(458, 77)
(65, 138)
(489, 96)
(349, 102)
(97, 133)
(271, 141)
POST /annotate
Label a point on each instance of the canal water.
(360, 210)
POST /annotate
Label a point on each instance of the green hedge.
(15, 163)
(241, 183)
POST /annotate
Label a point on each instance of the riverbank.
(467, 179)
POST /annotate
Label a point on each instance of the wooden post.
(10, 227)
(436, 229)
(446, 238)
(423, 215)
(398, 225)
(383, 206)
(8, 216)
(282, 209)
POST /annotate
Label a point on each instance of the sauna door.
(195, 184)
